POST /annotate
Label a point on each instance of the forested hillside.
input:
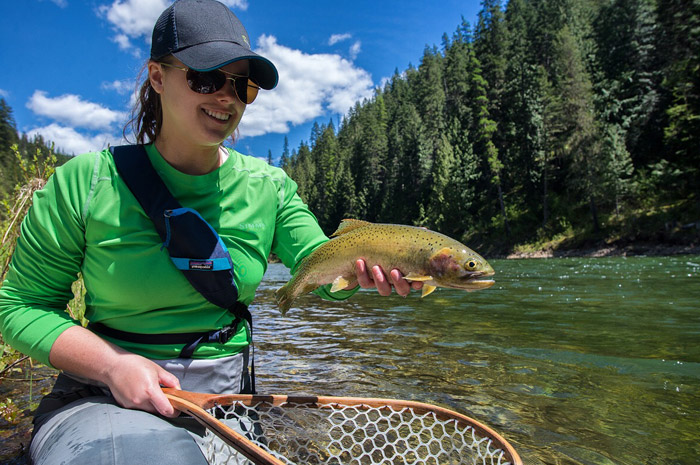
(574, 121)
(11, 146)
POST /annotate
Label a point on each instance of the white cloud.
(132, 19)
(122, 40)
(355, 49)
(60, 3)
(240, 4)
(4, 93)
(121, 87)
(335, 38)
(72, 110)
(309, 87)
(68, 140)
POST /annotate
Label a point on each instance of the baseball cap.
(205, 35)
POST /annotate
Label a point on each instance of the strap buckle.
(223, 335)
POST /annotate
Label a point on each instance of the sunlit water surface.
(574, 361)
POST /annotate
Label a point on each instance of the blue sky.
(70, 66)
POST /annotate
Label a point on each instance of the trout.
(420, 254)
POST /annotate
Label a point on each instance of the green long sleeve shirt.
(86, 220)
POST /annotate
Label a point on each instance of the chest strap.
(190, 340)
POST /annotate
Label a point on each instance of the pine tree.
(629, 88)
(679, 22)
(8, 137)
(304, 173)
(285, 159)
(324, 155)
(368, 139)
(401, 204)
(577, 136)
(428, 86)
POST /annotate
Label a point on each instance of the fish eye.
(471, 264)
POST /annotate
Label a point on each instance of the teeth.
(217, 115)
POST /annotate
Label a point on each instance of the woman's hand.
(377, 278)
(135, 381)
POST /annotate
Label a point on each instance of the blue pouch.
(193, 245)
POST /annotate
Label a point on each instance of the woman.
(86, 220)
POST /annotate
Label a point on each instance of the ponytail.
(146, 115)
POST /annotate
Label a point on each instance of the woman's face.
(190, 117)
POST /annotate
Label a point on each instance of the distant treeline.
(548, 118)
(13, 173)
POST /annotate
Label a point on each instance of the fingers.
(363, 277)
(381, 281)
(135, 383)
(403, 287)
(162, 405)
(376, 278)
(159, 401)
(167, 379)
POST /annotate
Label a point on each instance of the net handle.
(234, 439)
(206, 401)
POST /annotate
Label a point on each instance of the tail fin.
(284, 298)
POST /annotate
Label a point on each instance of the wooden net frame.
(291, 430)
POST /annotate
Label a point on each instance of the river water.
(574, 360)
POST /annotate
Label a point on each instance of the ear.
(155, 75)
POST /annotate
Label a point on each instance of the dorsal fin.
(348, 225)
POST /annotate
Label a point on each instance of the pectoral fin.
(339, 284)
(427, 289)
(416, 277)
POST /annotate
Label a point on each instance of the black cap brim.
(213, 55)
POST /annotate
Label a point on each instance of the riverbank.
(609, 250)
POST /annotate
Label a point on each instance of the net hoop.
(201, 406)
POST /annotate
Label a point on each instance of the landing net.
(360, 434)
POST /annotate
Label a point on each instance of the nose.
(227, 94)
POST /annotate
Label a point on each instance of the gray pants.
(92, 429)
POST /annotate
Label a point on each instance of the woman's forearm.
(134, 380)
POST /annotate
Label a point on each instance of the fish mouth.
(473, 281)
(477, 284)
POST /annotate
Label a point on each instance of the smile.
(217, 115)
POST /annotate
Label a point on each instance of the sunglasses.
(208, 82)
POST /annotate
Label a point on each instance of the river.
(575, 361)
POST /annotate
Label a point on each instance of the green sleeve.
(297, 234)
(46, 261)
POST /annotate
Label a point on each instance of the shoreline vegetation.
(608, 250)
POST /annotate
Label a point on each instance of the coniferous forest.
(549, 123)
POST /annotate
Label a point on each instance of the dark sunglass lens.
(205, 83)
(246, 90)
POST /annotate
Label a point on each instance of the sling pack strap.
(193, 245)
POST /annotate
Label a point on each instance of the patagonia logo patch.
(201, 264)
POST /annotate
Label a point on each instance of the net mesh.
(359, 435)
